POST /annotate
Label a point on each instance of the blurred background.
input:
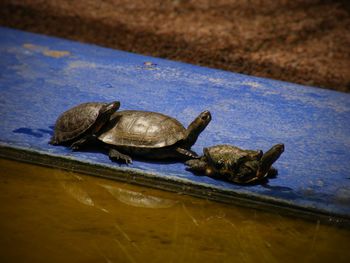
(300, 41)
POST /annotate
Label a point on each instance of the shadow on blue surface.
(34, 132)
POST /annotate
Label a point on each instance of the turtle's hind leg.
(114, 155)
(188, 154)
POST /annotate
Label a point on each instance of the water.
(49, 215)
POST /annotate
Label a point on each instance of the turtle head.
(105, 114)
(268, 159)
(196, 127)
(110, 108)
(201, 122)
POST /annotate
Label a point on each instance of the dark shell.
(143, 129)
(229, 153)
(76, 121)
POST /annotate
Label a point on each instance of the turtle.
(235, 164)
(81, 123)
(151, 135)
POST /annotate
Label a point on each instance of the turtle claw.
(127, 160)
(75, 147)
(114, 155)
(122, 158)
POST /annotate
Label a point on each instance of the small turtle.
(79, 124)
(236, 165)
(152, 135)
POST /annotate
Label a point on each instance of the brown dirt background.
(301, 41)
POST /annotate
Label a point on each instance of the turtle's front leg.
(196, 166)
(201, 167)
(77, 144)
(115, 155)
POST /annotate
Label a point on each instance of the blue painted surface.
(40, 77)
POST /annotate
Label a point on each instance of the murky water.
(48, 215)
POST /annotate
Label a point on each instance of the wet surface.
(49, 215)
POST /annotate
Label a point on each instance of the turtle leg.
(196, 165)
(187, 153)
(201, 167)
(114, 155)
(77, 144)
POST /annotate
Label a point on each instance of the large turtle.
(79, 124)
(235, 164)
(152, 135)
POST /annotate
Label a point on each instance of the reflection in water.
(48, 215)
(138, 199)
(74, 189)
(194, 220)
(71, 183)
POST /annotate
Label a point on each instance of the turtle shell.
(235, 164)
(143, 129)
(229, 153)
(76, 121)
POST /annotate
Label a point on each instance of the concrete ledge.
(43, 76)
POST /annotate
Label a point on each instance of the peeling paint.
(46, 51)
(56, 53)
(30, 46)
